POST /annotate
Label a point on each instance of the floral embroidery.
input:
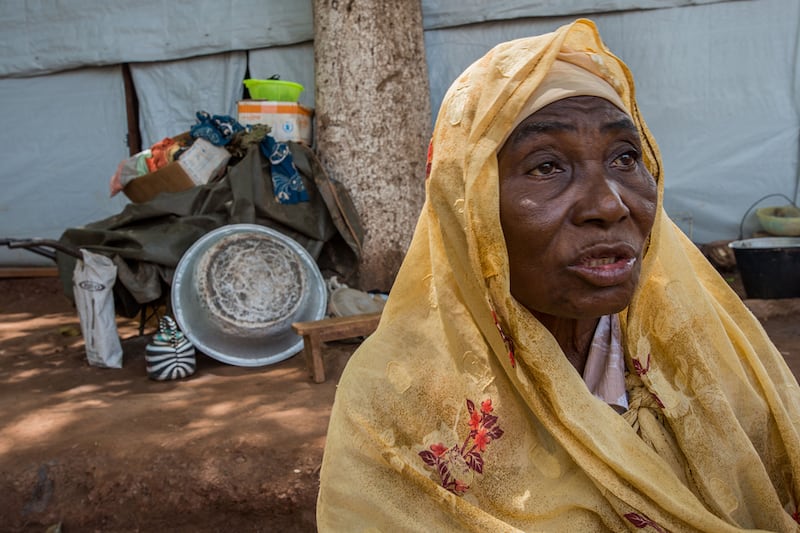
(796, 515)
(641, 521)
(641, 370)
(657, 399)
(508, 341)
(429, 161)
(456, 465)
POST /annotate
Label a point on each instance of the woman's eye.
(626, 161)
(545, 169)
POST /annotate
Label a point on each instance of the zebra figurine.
(170, 355)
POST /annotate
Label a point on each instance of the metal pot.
(237, 290)
(769, 266)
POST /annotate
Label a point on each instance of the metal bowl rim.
(765, 243)
(186, 263)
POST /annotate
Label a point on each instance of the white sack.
(93, 280)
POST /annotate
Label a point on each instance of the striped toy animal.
(170, 355)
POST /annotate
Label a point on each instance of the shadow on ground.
(229, 449)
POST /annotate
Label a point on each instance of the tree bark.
(373, 120)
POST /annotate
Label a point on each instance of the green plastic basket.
(274, 90)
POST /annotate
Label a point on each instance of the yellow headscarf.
(461, 412)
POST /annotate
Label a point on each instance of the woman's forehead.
(564, 115)
(577, 106)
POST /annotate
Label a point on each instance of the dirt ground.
(229, 449)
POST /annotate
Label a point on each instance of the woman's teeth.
(601, 262)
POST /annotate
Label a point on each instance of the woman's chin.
(609, 301)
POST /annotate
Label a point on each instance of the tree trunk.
(373, 120)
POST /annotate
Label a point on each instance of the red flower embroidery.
(429, 162)
(642, 521)
(457, 465)
(486, 405)
(475, 420)
(796, 516)
(438, 449)
(641, 370)
(460, 487)
(508, 341)
(481, 439)
(657, 399)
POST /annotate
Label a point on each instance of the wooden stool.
(316, 332)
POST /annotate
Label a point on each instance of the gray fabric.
(143, 281)
(150, 238)
(34, 33)
(718, 123)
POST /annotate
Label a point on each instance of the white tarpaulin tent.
(717, 82)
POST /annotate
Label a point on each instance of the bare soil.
(228, 449)
(92, 449)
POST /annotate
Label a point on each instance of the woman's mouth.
(602, 262)
(605, 269)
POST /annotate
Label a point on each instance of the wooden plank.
(28, 272)
(312, 346)
(315, 332)
(339, 325)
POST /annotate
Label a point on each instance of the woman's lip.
(605, 266)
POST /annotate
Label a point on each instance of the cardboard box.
(201, 162)
(169, 178)
(289, 120)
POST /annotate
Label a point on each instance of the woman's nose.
(599, 201)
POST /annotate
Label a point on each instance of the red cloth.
(160, 152)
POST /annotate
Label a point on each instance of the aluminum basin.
(237, 290)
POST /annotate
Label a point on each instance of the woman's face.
(576, 207)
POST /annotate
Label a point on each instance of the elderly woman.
(555, 355)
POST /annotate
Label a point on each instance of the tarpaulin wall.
(716, 80)
(717, 84)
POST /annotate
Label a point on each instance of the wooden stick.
(28, 272)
